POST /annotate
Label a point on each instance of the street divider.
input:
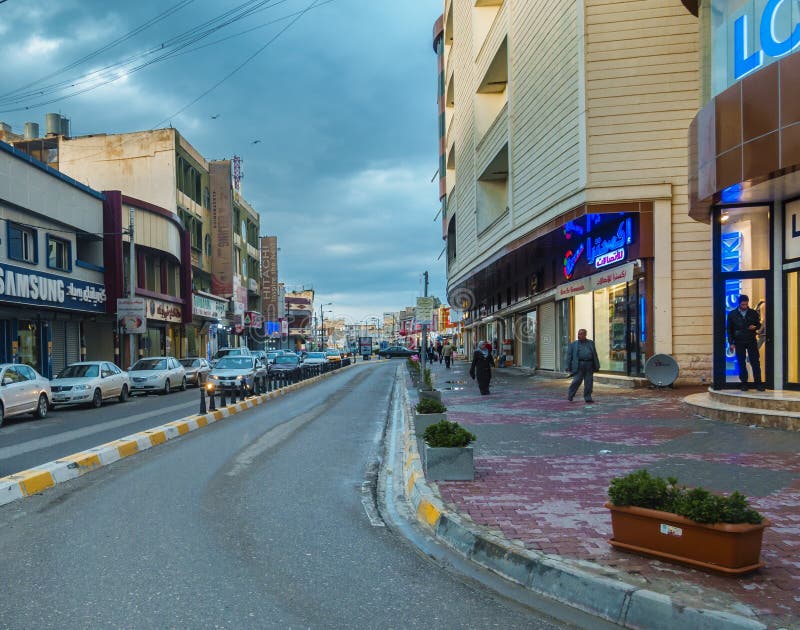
(38, 479)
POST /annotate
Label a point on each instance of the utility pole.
(132, 279)
(425, 329)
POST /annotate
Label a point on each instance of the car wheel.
(97, 399)
(2, 414)
(123, 395)
(42, 407)
(183, 384)
(167, 388)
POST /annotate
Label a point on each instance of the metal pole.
(132, 279)
(425, 330)
(321, 328)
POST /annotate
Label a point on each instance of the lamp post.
(322, 324)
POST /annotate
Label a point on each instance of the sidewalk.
(543, 466)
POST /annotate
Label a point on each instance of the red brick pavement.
(554, 503)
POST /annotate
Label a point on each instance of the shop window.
(59, 254)
(22, 243)
(744, 239)
(793, 327)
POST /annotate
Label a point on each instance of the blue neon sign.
(747, 60)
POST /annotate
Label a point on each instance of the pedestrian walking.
(439, 348)
(481, 368)
(583, 363)
(447, 353)
(743, 324)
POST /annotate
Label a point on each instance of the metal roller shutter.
(547, 336)
(59, 347)
(73, 342)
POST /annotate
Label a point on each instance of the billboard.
(221, 231)
(269, 277)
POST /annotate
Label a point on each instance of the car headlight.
(239, 377)
(213, 377)
(80, 388)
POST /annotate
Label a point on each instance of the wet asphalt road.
(258, 521)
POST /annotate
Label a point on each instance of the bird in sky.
(255, 141)
(215, 116)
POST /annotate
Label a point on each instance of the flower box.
(724, 547)
(423, 420)
(448, 463)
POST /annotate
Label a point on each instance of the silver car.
(157, 374)
(238, 372)
(197, 370)
(23, 390)
(90, 382)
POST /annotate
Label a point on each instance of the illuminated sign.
(610, 258)
(746, 56)
(570, 260)
(38, 288)
(603, 237)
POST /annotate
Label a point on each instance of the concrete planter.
(434, 394)
(723, 547)
(449, 463)
(423, 420)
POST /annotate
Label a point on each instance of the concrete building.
(299, 317)
(54, 309)
(563, 180)
(744, 177)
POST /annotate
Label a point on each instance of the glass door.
(793, 329)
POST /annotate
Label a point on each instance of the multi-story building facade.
(53, 304)
(563, 180)
(299, 316)
(744, 185)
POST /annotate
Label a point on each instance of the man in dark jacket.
(583, 363)
(481, 368)
(743, 323)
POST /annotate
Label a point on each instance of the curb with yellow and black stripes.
(35, 480)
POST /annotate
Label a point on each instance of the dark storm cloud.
(343, 106)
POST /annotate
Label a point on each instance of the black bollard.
(222, 401)
(233, 395)
(203, 409)
(211, 402)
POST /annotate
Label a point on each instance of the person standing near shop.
(743, 324)
(481, 368)
(447, 353)
(583, 363)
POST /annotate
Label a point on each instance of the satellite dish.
(661, 370)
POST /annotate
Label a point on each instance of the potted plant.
(426, 390)
(655, 516)
(428, 412)
(414, 369)
(447, 454)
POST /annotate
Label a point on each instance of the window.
(207, 243)
(22, 244)
(59, 254)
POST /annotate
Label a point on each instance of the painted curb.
(593, 589)
(39, 478)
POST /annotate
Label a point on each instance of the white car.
(157, 374)
(315, 358)
(90, 382)
(22, 390)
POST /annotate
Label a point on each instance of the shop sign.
(253, 319)
(37, 288)
(204, 306)
(747, 57)
(131, 315)
(792, 240)
(164, 311)
(595, 282)
(601, 240)
(424, 310)
(618, 255)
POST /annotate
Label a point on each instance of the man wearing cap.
(743, 322)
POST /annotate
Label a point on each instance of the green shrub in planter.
(427, 378)
(446, 434)
(413, 365)
(429, 405)
(640, 489)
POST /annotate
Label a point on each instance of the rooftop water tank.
(31, 130)
(53, 124)
(65, 126)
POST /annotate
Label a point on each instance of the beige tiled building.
(563, 136)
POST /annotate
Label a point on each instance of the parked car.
(286, 365)
(197, 370)
(157, 374)
(234, 372)
(90, 382)
(23, 390)
(261, 355)
(334, 356)
(234, 352)
(316, 358)
(395, 351)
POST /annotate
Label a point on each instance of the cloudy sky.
(334, 116)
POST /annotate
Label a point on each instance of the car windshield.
(150, 364)
(189, 362)
(332, 353)
(79, 371)
(235, 363)
(285, 358)
(316, 355)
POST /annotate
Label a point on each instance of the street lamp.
(322, 324)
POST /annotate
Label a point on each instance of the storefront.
(745, 177)
(208, 311)
(42, 316)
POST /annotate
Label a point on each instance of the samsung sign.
(23, 286)
(778, 28)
